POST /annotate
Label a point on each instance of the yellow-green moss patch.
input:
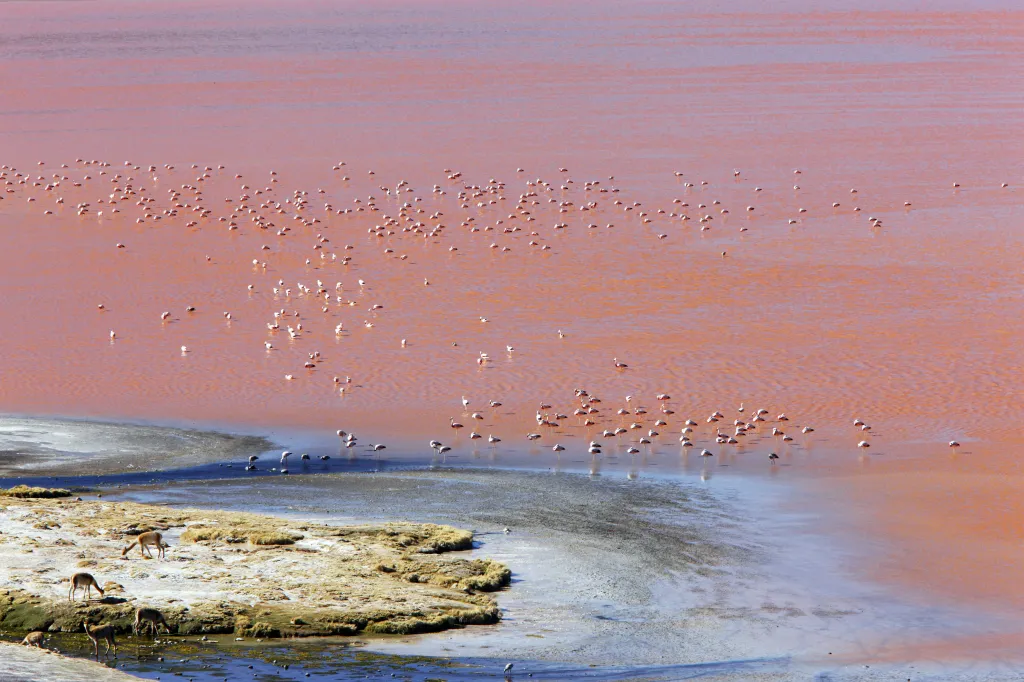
(254, 536)
(26, 492)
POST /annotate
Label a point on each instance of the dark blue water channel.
(220, 659)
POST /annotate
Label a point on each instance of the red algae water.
(356, 215)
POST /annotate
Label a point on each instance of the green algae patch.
(21, 612)
(247, 575)
(26, 492)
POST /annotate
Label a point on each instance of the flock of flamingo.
(395, 216)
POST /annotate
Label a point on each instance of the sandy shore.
(243, 574)
(22, 663)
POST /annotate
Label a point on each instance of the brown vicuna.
(98, 632)
(34, 639)
(149, 619)
(147, 540)
(83, 581)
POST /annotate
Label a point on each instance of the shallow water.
(214, 661)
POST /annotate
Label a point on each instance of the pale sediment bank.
(28, 663)
(50, 446)
(244, 574)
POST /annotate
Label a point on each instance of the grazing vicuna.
(85, 582)
(147, 540)
(150, 619)
(98, 632)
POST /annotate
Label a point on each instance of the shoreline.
(791, 590)
(488, 498)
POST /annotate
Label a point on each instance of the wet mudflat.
(660, 568)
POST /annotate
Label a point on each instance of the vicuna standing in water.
(98, 632)
(150, 619)
(83, 581)
(147, 540)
